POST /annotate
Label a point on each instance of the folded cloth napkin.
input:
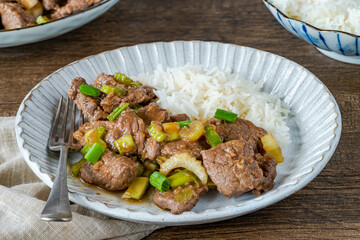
(23, 196)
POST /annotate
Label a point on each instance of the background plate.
(315, 124)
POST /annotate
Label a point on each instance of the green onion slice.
(184, 123)
(94, 153)
(225, 115)
(116, 112)
(42, 19)
(110, 89)
(122, 78)
(159, 181)
(76, 168)
(85, 149)
(211, 135)
(89, 90)
(180, 178)
(158, 134)
(125, 144)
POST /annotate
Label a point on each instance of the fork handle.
(57, 207)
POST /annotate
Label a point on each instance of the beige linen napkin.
(23, 196)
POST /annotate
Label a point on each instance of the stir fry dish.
(24, 13)
(132, 144)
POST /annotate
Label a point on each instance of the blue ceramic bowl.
(338, 45)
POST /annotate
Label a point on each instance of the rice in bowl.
(198, 93)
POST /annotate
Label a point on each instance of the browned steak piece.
(107, 80)
(241, 128)
(73, 6)
(13, 15)
(79, 135)
(88, 105)
(268, 166)
(49, 4)
(176, 199)
(232, 167)
(179, 117)
(134, 96)
(110, 102)
(169, 149)
(152, 112)
(112, 172)
(139, 95)
(128, 123)
(152, 149)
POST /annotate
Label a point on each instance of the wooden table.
(327, 208)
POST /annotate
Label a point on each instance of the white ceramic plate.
(315, 124)
(16, 37)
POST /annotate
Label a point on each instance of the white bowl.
(341, 46)
(21, 36)
(315, 124)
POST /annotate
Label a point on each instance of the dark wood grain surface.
(327, 208)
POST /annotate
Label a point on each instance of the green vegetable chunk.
(184, 123)
(85, 149)
(122, 78)
(110, 89)
(116, 112)
(159, 181)
(76, 168)
(89, 90)
(225, 115)
(211, 135)
(42, 19)
(125, 144)
(180, 178)
(94, 153)
(157, 132)
(137, 188)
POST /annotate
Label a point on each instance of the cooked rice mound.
(343, 15)
(199, 93)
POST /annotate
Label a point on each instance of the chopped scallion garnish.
(225, 115)
(184, 123)
(89, 90)
(116, 112)
(94, 153)
(211, 135)
(159, 181)
(157, 132)
(110, 89)
(42, 19)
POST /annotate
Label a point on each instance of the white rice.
(343, 15)
(199, 93)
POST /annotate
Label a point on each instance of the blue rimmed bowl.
(341, 46)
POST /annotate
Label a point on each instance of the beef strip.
(232, 167)
(152, 149)
(133, 97)
(268, 166)
(179, 117)
(110, 102)
(111, 172)
(139, 95)
(73, 6)
(88, 105)
(168, 200)
(169, 149)
(49, 4)
(152, 112)
(107, 80)
(241, 128)
(13, 15)
(128, 123)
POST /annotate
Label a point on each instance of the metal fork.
(57, 207)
